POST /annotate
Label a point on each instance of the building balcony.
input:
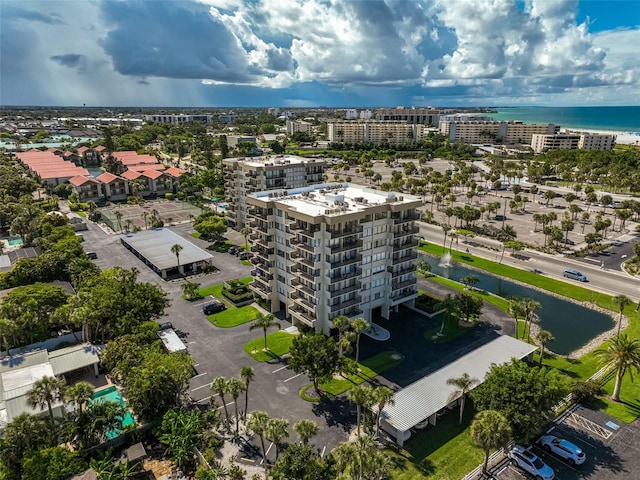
(346, 246)
(303, 316)
(305, 305)
(352, 312)
(407, 218)
(407, 231)
(310, 276)
(260, 290)
(406, 283)
(401, 271)
(257, 272)
(405, 258)
(413, 242)
(303, 287)
(346, 304)
(265, 241)
(356, 272)
(306, 261)
(354, 230)
(403, 295)
(345, 290)
(346, 261)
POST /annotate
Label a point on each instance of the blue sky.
(299, 53)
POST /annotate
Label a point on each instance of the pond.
(572, 325)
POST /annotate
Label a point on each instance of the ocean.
(620, 119)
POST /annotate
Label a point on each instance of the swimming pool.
(14, 241)
(112, 394)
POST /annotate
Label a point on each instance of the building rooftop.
(155, 245)
(430, 394)
(334, 199)
(273, 161)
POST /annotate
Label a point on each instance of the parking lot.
(610, 446)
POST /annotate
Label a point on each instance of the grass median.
(278, 344)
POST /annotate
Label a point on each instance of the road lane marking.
(291, 378)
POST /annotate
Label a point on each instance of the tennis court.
(126, 217)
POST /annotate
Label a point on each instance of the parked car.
(232, 250)
(617, 243)
(213, 306)
(92, 255)
(606, 253)
(575, 275)
(501, 217)
(166, 325)
(244, 256)
(528, 461)
(563, 448)
(567, 241)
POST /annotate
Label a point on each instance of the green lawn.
(367, 370)
(216, 290)
(232, 317)
(443, 452)
(196, 234)
(245, 262)
(581, 369)
(278, 344)
(452, 330)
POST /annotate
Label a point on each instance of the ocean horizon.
(619, 119)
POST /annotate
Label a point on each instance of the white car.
(563, 448)
(528, 461)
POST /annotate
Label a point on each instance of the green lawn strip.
(232, 317)
(278, 344)
(499, 302)
(451, 331)
(587, 365)
(440, 452)
(368, 369)
(216, 290)
(82, 214)
(196, 234)
(245, 262)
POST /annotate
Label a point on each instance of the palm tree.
(621, 301)
(530, 307)
(305, 430)
(219, 387)
(359, 326)
(234, 388)
(624, 355)
(176, 248)
(489, 431)
(277, 430)
(245, 232)
(118, 215)
(258, 422)
(544, 337)
(450, 306)
(246, 374)
(445, 229)
(516, 309)
(265, 322)
(342, 324)
(190, 289)
(382, 396)
(470, 281)
(79, 393)
(361, 396)
(45, 392)
(145, 215)
(462, 385)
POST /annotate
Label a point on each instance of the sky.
(306, 53)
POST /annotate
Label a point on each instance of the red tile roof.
(145, 166)
(100, 148)
(131, 175)
(174, 171)
(67, 153)
(83, 149)
(107, 177)
(152, 174)
(81, 180)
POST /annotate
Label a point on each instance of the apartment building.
(425, 116)
(294, 126)
(491, 131)
(177, 119)
(334, 249)
(373, 131)
(571, 140)
(244, 176)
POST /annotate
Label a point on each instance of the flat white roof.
(172, 341)
(155, 245)
(430, 394)
(273, 161)
(334, 198)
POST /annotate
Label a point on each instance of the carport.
(424, 399)
(153, 247)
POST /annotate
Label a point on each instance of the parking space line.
(201, 386)
(199, 375)
(203, 399)
(291, 378)
(266, 453)
(278, 369)
(324, 449)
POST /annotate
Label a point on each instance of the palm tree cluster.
(234, 387)
(525, 308)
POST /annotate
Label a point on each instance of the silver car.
(563, 448)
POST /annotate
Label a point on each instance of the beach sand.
(622, 138)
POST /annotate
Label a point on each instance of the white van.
(575, 275)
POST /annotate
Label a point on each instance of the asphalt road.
(606, 280)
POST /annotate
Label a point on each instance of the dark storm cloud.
(173, 40)
(69, 60)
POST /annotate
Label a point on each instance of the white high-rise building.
(334, 249)
(373, 131)
(255, 174)
(351, 114)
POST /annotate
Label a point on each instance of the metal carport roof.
(430, 394)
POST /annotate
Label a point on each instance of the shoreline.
(622, 137)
